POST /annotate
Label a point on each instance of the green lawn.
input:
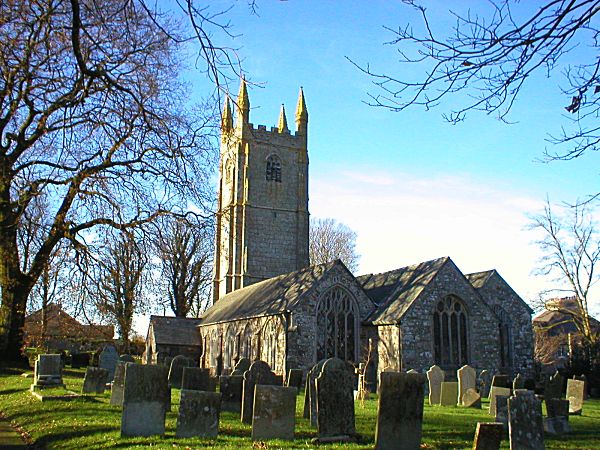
(90, 422)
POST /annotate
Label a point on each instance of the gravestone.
(467, 379)
(79, 360)
(435, 375)
(176, 370)
(501, 409)
(94, 381)
(145, 400)
(258, 373)
(273, 415)
(231, 388)
(118, 385)
(494, 391)
(126, 358)
(242, 365)
(199, 413)
(501, 381)
(484, 383)
(294, 378)
(335, 399)
(449, 393)
(399, 411)
(310, 394)
(108, 360)
(557, 422)
(518, 382)
(48, 371)
(196, 379)
(525, 426)
(471, 399)
(554, 387)
(488, 436)
(575, 394)
(585, 381)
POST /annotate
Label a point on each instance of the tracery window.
(450, 333)
(245, 349)
(337, 325)
(273, 169)
(229, 350)
(273, 345)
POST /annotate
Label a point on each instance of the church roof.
(175, 330)
(393, 292)
(273, 296)
(478, 279)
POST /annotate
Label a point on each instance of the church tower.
(262, 221)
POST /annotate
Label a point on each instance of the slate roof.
(273, 296)
(393, 292)
(479, 280)
(175, 330)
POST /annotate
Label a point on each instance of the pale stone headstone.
(518, 382)
(575, 395)
(400, 411)
(108, 360)
(435, 375)
(471, 399)
(449, 393)
(488, 436)
(176, 370)
(48, 371)
(199, 413)
(196, 379)
(554, 387)
(294, 378)
(242, 365)
(585, 380)
(145, 400)
(335, 399)
(494, 391)
(467, 379)
(525, 425)
(557, 422)
(258, 373)
(231, 388)
(94, 381)
(484, 382)
(274, 411)
(118, 385)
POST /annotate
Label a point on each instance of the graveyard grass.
(90, 422)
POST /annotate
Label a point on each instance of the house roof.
(554, 317)
(479, 279)
(175, 330)
(393, 292)
(273, 296)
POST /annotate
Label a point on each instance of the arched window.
(337, 325)
(273, 345)
(273, 169)
(229, 351)
(450, 333)
(245, 350)
(505, 337)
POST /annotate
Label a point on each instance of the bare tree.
(185, 253)
(330, 240)
(571, 254)
(488, 58)
(93, 117)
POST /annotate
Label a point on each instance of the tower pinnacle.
(282, 124)
(243, 103)
(301, 113)
(227, 119)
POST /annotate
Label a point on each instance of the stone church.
(269, 304)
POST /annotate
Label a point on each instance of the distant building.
(171, 336)
(53, 328)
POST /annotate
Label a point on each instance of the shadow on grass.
(58, 437)
(11, 391)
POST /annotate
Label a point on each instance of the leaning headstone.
(176, 370)
(294, 378)
(118, 385)
(198, 413)
(335, 399)
(274, 416)
(435, 375)
(495, 391)
(400, 411)
(48, 371)
(554, 387)
(242, 365)
(258, 373)
(467, 379)
(231, 388)
(108, 360)
(126, 358)
(449, 393)
(471, 399)
(575, 395)
(145, 400)
(488, 436)
(196, 379)
(518, 382)
(525, 426)
(557, 422)
(94, 381)
(484, 383)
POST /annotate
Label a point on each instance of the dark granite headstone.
(242, 365)
(48, 371)
(94, 381)
(176, 370)
(518, 382)
(557, 422)
(79, 360)
(258, 373)
(199, 413)
(501, 415)
(525, 425)
(274, 411)
(145, 399)
(400, 411)
(196, 379)
(554, 387)
(484, 383)
(335, 399)
(501, 381)
(231, 387)
(294, 378)
(488, 436)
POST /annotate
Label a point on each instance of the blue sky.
(411, 185)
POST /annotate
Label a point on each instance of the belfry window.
(450, 334)
(337, 325)
(273, 169)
